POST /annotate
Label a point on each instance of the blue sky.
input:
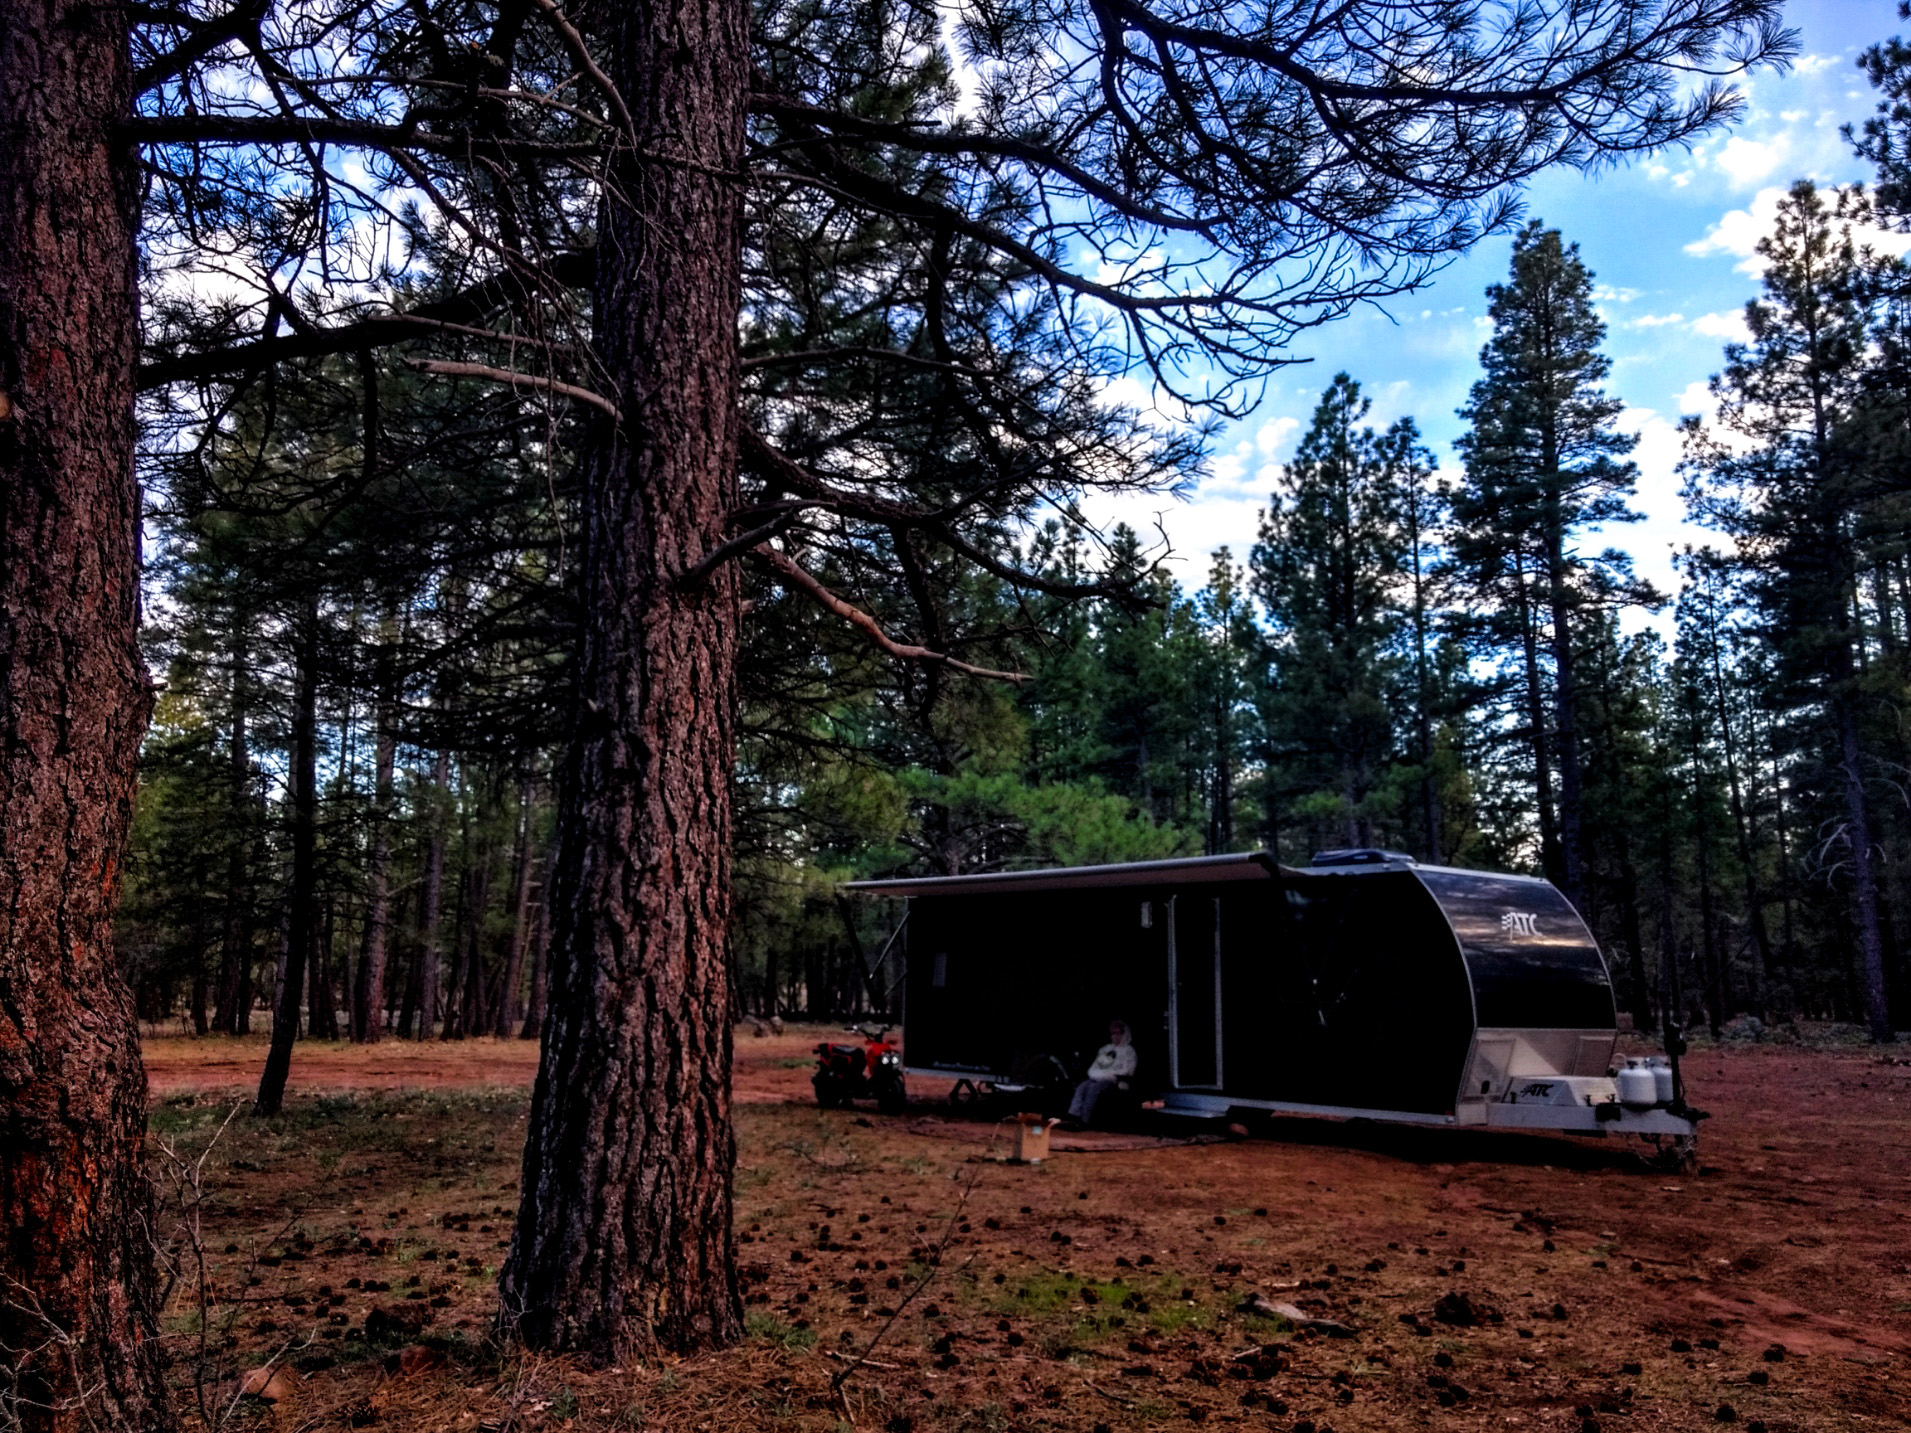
(1670, 240)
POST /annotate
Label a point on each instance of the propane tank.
(1662, 1077)
(1638, 1089)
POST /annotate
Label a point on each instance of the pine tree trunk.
(323, 1015)
(1640, 996)
(1864, 879)
(624, 1238)
(78, 1318)
(540, 967)
(505, 1014)
(235, 950)
(1742, 831)
(1536, 714)
(431, 919)
(1572, 855)
(1422, 713)
(1714, 966)
(301, 921)
(368, 995)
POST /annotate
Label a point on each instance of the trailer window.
(939, 977)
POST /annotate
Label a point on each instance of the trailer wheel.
(1675, 1154)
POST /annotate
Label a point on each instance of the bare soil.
(1100, 1289)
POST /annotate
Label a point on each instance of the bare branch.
(517, 380)
(860, 619)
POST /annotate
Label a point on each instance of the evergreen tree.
(1785, 471)
(1543, 464)
(1326, 570)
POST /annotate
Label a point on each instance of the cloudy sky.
(1670, 241)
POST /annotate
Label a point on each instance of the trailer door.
(1194, 992)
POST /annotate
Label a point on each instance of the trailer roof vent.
(1360, 856)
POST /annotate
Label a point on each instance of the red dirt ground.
(1771, 1288)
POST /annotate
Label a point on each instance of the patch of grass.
(1095, 1308)
(774, 1331)
(1172, 1318)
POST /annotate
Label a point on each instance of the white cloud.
(1696, 397)
(1814, 64)
(1746, 161)
(1738, 231)
(1728, 325)
(1664, 528)
(1274, 433)
(1656, 320)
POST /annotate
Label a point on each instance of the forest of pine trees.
(348, 778)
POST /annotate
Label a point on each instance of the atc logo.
(1519, 923)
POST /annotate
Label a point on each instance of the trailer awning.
(1187, 870)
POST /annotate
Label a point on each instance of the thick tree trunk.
(431, 919)
(624, 1239)
(78, 1318)
(301, 924)
(368, 995)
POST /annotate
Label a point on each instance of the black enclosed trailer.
(1379, 988)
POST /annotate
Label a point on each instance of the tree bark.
(624, 1238)
(301, 924)
(78, 1320)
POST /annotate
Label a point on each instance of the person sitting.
(1114, 1066)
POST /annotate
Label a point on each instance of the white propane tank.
(1638, 1089)
(1662, 1077)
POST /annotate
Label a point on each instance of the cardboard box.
(1031, 1138)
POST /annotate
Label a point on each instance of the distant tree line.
(1436, 663)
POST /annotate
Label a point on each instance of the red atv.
(851, 1072)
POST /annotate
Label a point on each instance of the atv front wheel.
(893, 1097)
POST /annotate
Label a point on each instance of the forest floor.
(353, 1243)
